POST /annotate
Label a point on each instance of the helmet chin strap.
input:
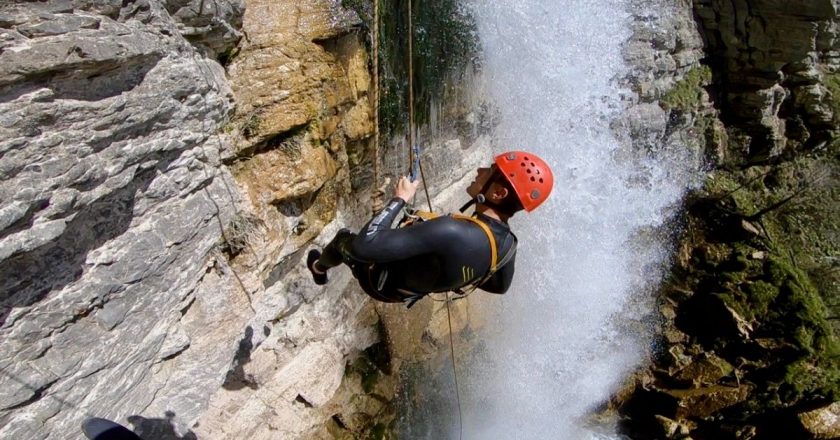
(477, 200)
(480, 199)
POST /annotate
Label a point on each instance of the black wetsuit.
(438, 255)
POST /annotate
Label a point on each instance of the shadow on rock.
(28, 277)
(159, 429)
(237, 378)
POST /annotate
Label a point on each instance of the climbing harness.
(414, 216)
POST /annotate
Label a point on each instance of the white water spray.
(557, 346)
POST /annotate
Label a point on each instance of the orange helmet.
(530, 177)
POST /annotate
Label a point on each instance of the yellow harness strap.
(426, 215)
(494, 254)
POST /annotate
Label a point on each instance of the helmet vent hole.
(511, 174)
(522, 164)
(533, 164)
(528, 171)
(533, 179)
(541, 180)
(526, 158)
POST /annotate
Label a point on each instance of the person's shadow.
(158, 429)
(144, 429)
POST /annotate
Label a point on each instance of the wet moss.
(763, 241)
(780, 281)
(804, 377)
(760, 295)
(373, 363)
(686, 94)
(368, 372)
(731, 192)
(800, 316)
(444, 43)
(832, 83)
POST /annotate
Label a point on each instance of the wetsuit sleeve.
(500, 281)
(378, 243)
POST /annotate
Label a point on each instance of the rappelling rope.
(411, 138)
(412, 135)
(411, 159)
(375, 43)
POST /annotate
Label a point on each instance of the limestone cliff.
(164, 164)
(113, 193)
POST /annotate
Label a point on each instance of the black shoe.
(103, 429)
(320, 278)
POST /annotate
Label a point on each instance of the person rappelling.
(430, 253)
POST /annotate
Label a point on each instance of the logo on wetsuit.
(377, 221)
(468, 273)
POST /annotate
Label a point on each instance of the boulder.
(705, 401)
(705, 370)
(672, 429)
(822, 423)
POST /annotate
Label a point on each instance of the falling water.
(559, 342)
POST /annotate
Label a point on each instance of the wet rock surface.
(822, 423)
(747, 346)
(770, 60)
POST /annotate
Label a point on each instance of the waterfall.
(563, 338)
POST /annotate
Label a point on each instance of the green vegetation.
(371, 365)
(444, 44)
(832, 83)
(758, 279)
(686, 94)
(784, 280)
(362, 7)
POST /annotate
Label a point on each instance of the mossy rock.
(760, 295)
(688, 92)
(831, 81)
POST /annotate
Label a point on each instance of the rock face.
(665, 51)
(770, 58)
(112, 196)
(823, 422)
(163, 167)
(747, 349)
